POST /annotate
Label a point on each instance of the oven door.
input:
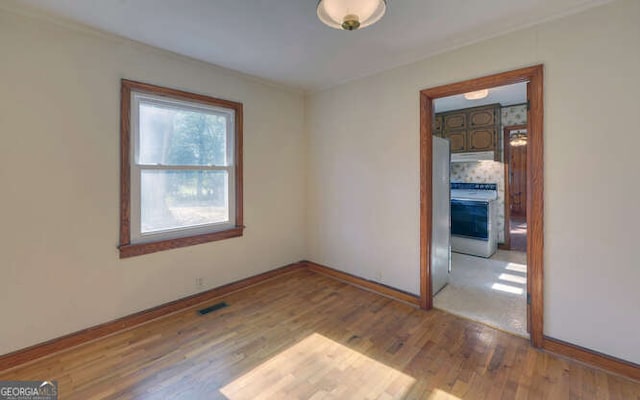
(470, 218)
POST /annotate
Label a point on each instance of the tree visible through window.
(183, 158)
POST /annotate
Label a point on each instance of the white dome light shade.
(351, 14)
(477, 95)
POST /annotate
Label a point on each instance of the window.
(181, 169)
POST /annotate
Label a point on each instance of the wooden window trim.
(128, 249)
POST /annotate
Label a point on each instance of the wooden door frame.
(535, 198)
(506, 152)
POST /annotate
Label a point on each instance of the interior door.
(518, 181)
(528, 231)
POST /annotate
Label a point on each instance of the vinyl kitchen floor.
(491, 291)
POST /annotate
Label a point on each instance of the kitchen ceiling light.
(518, 138)
(477, 95)
(350, 14)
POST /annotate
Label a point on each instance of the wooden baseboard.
(50, 347)
(363, 283)
(608, 363)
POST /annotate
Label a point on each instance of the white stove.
(474, 225)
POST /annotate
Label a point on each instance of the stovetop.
(474, 191)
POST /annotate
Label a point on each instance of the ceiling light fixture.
(477, 95)
(518, 138)
(350, 14)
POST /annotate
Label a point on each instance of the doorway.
(486, 279)
(534, 184)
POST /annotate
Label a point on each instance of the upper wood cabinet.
(470, 129)
(457, 141)
(481, 139)
(482, 117)
(455, 121)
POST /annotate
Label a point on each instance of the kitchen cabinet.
(454, 121)
(470, 129)
(457, 140)
(481, 139)
(483, 116)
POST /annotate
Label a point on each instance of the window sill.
(132, 250)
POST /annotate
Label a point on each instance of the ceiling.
(505, 95)
(283, 41)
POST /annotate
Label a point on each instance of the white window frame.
(136, 169)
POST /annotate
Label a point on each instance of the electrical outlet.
(199, 282)
(379, 276)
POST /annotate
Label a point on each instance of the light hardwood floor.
(306, 336)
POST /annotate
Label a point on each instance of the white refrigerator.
(441, 216)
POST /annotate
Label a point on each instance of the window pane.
(179, 199)
(181, 136)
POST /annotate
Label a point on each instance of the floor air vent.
(212, 308)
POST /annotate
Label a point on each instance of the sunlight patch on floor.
(516, 267)
(513, 278)
(438, 394)
(507, 288)
(318, 367)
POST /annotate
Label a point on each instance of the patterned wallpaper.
(514, 115)
(483, 172)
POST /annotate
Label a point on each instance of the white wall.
(59, 169)
(364, 172)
